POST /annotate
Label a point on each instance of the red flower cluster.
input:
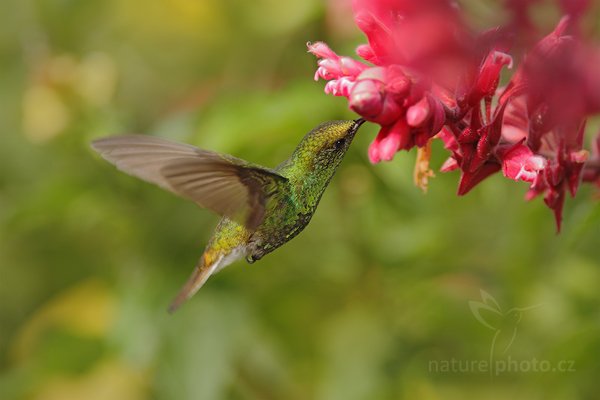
(429, 76)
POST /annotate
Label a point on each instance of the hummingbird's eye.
(339, 143)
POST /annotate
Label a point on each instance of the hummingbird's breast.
(290, 210)
(276, 231)
(287, 214)
(283, 221)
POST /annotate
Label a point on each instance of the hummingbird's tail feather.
(200, 275)
(209, 263)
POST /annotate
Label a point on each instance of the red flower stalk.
(428, 75)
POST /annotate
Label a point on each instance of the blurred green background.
(373, 293)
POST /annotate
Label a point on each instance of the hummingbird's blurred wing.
(224, 184)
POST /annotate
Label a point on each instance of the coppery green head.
(324, 147)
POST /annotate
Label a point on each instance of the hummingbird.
(261, 208)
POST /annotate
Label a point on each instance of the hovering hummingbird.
(262, 208)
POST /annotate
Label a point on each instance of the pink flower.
(519, 163)
(393, 94)
(428, 75)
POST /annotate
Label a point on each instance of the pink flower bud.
(389, 146)
(366, 98)
(397, 138)
(438, 115)
(366, 53)
(321, 50)
(418, 114)
(489, 74)
(373, 152)
(378, 34)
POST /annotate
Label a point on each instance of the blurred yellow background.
(359, 306)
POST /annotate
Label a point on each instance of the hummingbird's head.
(327, 144)
(315, 160)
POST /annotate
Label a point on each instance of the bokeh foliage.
(355, 308)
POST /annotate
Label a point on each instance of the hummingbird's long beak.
(358, 123)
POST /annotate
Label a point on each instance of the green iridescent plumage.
(262, 208)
